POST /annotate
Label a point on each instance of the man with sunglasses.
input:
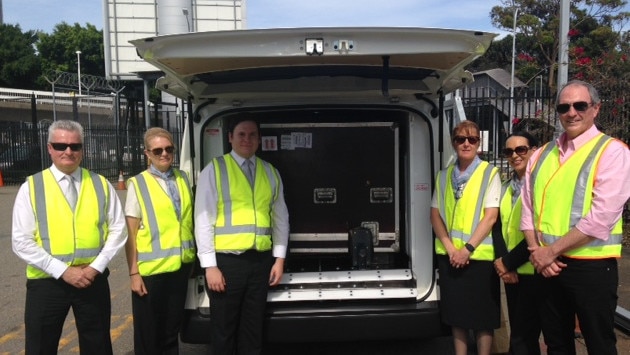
(68, 225)
(242, 232)
(573, 196)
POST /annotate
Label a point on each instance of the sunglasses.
(520, 150)
(462, 139)
(75, 147)
(579, 106)
(158, 151)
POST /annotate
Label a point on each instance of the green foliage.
(598, 53)
(24, 56)
(19, 64)
(499, 55)
(594, 23)
(58, 50)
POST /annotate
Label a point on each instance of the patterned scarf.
(459, 179)
(515, 184)
(172, 190)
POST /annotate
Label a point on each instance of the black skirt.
(469, 297)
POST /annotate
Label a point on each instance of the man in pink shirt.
(573, 197)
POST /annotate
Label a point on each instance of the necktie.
(249, 171)
(171, 187)
(71, 192)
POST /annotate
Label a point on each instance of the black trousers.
(157, 316)
(238, 313)
(47, 304)
(587, 288)
(524, 310)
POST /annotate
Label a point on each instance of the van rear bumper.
(334, 323)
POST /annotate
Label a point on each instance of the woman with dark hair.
(522, 284)
(465, 206)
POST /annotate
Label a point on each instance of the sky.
(463, 14)
(459, 14)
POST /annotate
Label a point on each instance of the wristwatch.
(469, 247)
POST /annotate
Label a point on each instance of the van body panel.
(352, 119)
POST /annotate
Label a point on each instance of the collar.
(58, 174)
(565, 144)
(239, 159)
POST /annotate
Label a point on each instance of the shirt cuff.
(100, 263)
(593, 229)
(208, 260)
(57, 268)
(280, 251)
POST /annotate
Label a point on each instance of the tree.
(598, 52)
(499, 55)
(609, 71)
(19, 64)
(597, 21)
(58, 50)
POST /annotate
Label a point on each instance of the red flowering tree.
(609, 70)
(594, 22)
(598, 51)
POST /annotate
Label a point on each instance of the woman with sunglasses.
(160, 248)
(522, 284)
(465, 206)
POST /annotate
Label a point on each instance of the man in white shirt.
(242, 231)
(68, 224)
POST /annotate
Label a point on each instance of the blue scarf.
(172, 190)
(459, 179)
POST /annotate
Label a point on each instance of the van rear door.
(351, 118)
(210, 64)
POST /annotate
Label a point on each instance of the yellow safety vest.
(163, 242)
(244, 214)
(462, 216)
(74, 237)
(554, 184)
(511, 226)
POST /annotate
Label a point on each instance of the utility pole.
(79, 70)
(512, 110)
(563, 53)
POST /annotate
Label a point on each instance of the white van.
(354, 119)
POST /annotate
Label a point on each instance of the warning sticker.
(296, 140)
(212, 131)
(302, 139)
(421, 187)
(269, 143)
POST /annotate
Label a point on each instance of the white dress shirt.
(132, 203)
(24, 226)
(206, 215)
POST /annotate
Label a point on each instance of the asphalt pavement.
(13, 281)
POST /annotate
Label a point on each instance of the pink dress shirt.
(610, 193)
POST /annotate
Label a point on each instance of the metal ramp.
(344, 285)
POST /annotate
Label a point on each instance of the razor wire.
(89, 82)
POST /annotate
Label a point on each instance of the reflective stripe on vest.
(55, 220)
(511, 225)
(261, 199)
(460, 222)
(176, 234)
(572, 180)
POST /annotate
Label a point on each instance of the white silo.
(174, 16)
